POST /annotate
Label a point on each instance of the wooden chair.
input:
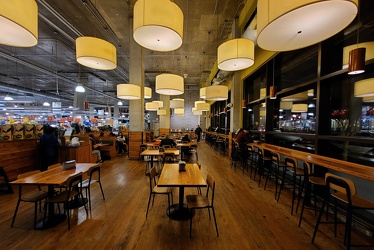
(66, 197)
(142, 148)
(311, 183)
(154, 189)
(198, 188)
(36, 196)
(94, 177)
(344, 191)
(263, 162)
(201, 201)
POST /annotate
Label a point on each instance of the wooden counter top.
(354, 169)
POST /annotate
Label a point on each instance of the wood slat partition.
(135, 140)
(19, 156)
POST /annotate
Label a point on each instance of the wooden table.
(172, 177)
(156, 152)
(53, 178)
(354, 169)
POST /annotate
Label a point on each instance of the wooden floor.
(248, 217)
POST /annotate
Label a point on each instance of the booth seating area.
(109, 150)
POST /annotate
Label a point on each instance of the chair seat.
(282, 164)
(299, 171)
(197, 201)
(320, 181)
(267, 158)
(87, 183)
(61, 197)
(357, 201)
(161, 190)
(35, 196)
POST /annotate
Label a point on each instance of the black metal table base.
(175, 212)
(51, 222)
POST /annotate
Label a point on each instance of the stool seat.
(316, 180)
(357, 201)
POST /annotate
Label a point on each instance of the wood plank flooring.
(248, 217)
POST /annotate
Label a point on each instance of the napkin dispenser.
(68, 165)
(182, 166)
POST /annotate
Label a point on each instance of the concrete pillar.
(165, 119)
(136, 72)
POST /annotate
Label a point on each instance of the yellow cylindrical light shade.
(177, 103)
(299, 108)
(217, 93)
(310, 92)
(364, 88)
(196, 102)
(19, 23)
(151, 106)
(169, 84)
(262, 92)
(128, 91)
(96, 53)
(203, 93)
(179, 111)
(368, 99)
(160, 104)
(162, 112)
(147, 93)
(158, 25)
(290, 25)
(236, 54)
(262, 113)
(203, 106)
(285, 105)
(296, 97)
(196, 112)
(369, 54)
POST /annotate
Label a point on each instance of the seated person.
(121, 143)
(94, 148)
(185, 150)
(185, 138)
(243, 138)
(168, 141)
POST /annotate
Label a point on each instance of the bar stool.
(311, 183)
(275, 161)
(263, 161)
(297, 173)
(344, 190)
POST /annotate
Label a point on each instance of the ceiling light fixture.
(147, 93)
(299, 108)
(46, 104)
(95, 53)
(151, 106)
(162, 112)
(203, 93)
(169, 84)
(196, 112)
(284, 25)
(8, 98)
(296, 97)
(119, 103)
(236, 54)
(80, 89)
(158, 25)
(160, 104)
(19, 23)
(203, 106)
(179, 111)
(356, 62)
(217, 93)
(177, 103)
(364, 88)
(128, 91)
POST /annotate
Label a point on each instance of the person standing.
(121, 142)
(198, 132)
(48, 147)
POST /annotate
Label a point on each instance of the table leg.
(179, 211)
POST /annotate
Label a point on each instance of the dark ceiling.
(49, 71)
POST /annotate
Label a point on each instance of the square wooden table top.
(156, 152)
(172, 177)
(54, 176)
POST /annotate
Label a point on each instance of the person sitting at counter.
(167, 141)
(94, 148)
(243, 138)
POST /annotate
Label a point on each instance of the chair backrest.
(143, 147)
(211, 186)
(23, 175)
(275, 158)
(168, 157)
(340, 184)
(91, 172)
(152, 178)
(290, 162)
(57, 165)
(74, 180)
(307, 169)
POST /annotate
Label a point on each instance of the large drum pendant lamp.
(160, 104)
(179, 111)
(217, 93)
(203, 93)
(203, 106)
(364, 88)
(299, 108)
(284, 25)
(177, 103)
(236, 54)
(169, 84)
(128, 91)
(151, 106)
(302, 96)
(19, 23)
(158, 25)
(196, 112)
(96, 53)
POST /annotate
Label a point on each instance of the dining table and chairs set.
(64, 186)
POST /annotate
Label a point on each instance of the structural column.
(165, 119)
